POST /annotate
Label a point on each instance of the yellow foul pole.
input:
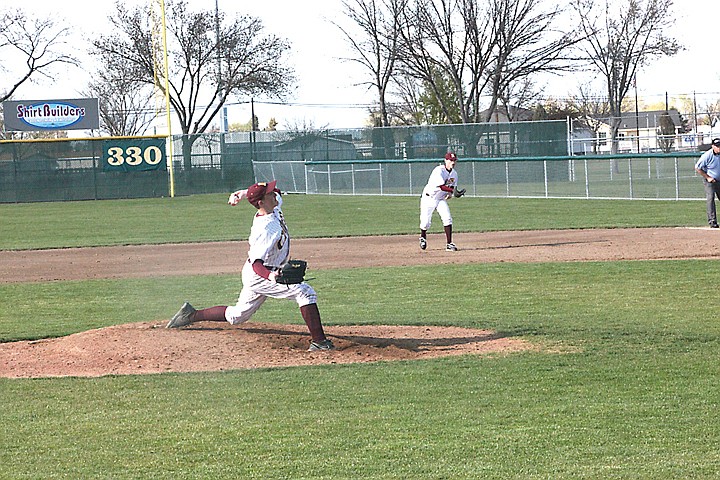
(165, 86)
(167, 96)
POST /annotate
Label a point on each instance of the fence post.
(381, 182)
(292, 173)
(94, 169)
(410, 176)
(473, 177)
(307, 185)
(507, 179)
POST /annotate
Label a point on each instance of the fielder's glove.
(292, 272)
(458, 192)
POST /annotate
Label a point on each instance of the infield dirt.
(147, 347)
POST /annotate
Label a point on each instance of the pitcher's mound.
(148, 347)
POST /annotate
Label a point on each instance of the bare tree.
(620, 39)
(377, 49)
(666, 133)
(554, 109)
(301, 128)
(707, 114)
(125, 107)
(379, 22)
(517, 96)
(37, 43)
(593, 109)
(407, 110)
(443, 42)
(526, 44)
(484, 49)
(209, 62)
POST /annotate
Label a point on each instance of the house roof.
(309, 139)
(500, 114)
(646, 119)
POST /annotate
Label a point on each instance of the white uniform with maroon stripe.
(433, 198)
(270, 242)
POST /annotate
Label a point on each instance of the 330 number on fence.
(134, 154)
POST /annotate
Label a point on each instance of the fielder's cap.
(716, 142)
(259, 190)
(450, 156)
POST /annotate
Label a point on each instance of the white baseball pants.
(256, 290)
(428, 205)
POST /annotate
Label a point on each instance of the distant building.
(640, 132)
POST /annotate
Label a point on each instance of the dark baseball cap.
(716, 142)
(450, 156)
(257, 191)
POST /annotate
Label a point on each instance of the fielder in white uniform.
(269, 249)
(437, 192)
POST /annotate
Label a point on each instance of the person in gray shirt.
(708, 167)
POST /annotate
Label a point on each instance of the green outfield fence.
(517, 159)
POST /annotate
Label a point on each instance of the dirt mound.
(148, 347)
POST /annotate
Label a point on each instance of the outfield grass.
(202, 218)
(625, 385)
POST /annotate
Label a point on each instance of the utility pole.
(223, 120)
(252, 129)
(695, 122)
(217, 39)
(637, 115)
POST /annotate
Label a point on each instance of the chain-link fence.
(659, 177)
(496, 159)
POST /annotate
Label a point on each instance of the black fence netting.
(60, 170)
(138, 167)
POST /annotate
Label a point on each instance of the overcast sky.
(327, 86)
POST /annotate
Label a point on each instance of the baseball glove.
(292, 272)
(458, 192)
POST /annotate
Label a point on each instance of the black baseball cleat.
(714, 225)
(423, 243)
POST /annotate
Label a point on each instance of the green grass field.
(204, 218)
(625, 385)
